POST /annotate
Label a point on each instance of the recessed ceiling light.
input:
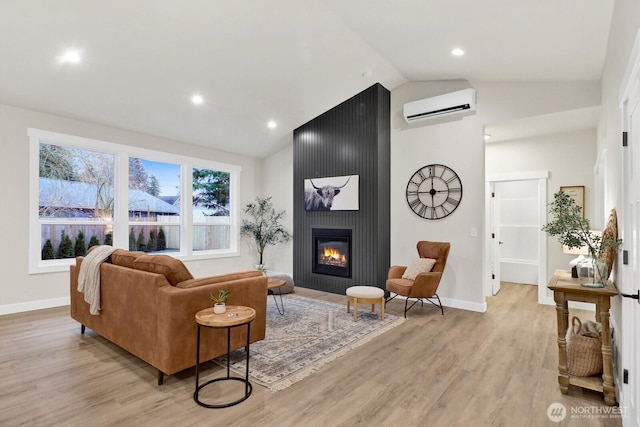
(72, 56)
(457, 52)
(272, 124)
(487, 136)
(197, 99)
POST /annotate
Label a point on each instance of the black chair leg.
(440, 303)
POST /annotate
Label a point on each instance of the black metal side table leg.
(281, 306)
(195, 394)
(248, 387)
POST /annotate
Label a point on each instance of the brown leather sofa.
(148, 307)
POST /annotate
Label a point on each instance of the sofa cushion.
(194, 283)
(173, 269)
(124, 258)
(417, 266)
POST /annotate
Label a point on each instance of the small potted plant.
(219, 301)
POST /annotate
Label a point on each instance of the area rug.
(310, 334)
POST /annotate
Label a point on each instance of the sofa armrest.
(177, 328)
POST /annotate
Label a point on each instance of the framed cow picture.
(335, 193)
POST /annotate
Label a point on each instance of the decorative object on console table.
(581, 252)
(574, 231)
(566, 289)
(610, 234)
(264, 226)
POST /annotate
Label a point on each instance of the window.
(154, 206)
(75, 207)
(86, 192)
(211, 210)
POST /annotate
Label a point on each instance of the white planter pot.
(219, 308)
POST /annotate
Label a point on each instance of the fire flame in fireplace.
(332, 256)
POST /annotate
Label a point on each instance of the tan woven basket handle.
(579, 325)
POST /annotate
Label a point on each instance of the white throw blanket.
(89, 276)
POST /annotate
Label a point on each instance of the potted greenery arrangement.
(263, 225)
(219, 301)
(574, 231)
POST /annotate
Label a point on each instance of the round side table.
(272, 285)
(234, 317)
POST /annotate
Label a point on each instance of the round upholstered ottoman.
(288, 281)
(365, 295)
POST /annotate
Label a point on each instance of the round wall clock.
(434, 191)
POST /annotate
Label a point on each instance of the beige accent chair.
(425, 284)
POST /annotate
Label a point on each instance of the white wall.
(458, 145)
(569, 157)
(22, 291)
(278, 183)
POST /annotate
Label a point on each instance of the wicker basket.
(584, 352)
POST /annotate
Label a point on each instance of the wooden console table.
(565, 289)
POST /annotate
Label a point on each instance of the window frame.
(120, 221)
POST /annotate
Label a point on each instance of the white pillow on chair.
(417, 266)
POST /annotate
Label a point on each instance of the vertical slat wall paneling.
(352, 138)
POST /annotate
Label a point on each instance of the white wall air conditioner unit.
(449, 104)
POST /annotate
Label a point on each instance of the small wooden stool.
(365, 295)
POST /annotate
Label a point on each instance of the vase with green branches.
(573, 230)
(263, 225)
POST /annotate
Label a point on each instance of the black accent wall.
(352, 138)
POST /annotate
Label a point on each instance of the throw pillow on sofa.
(124, 258)
(171, 268)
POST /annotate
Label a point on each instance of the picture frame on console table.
(335, 193)
(576, 192)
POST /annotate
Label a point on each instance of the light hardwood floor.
(460, 369)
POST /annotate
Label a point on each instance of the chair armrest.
(396, 272)
(425, 285)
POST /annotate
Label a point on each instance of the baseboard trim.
(33, 305)
(462, 305)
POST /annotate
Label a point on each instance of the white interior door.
(630, 283)
(495, 241)
(518, 229)
(515, 216)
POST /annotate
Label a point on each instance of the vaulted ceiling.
(254, 61)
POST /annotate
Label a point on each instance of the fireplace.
(331, 251)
